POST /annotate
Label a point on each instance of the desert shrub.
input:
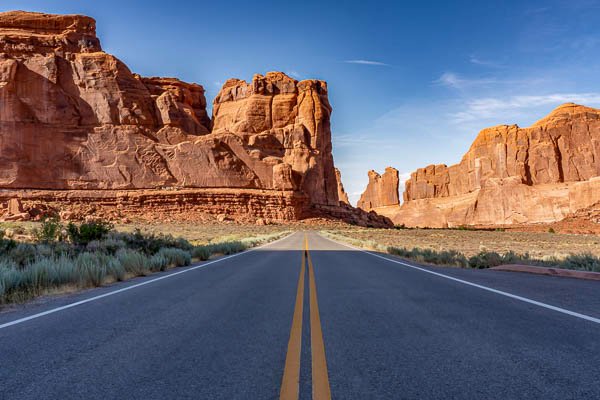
(6, 245)
(44, 250)
(445, 257)
(584, 262)
(399, 251)
(176, 257)
(108, 245)
(49, 231)
(64, 271)
(10, 278)
(450, 257)
(37, 275)
(201, 252)
(551, 230)
(89, 231)
(22, 253)
(513, 258)
(134, 261)
(486, 259)
(92, 268)
(151, 243)
(226, 248)
(159, 262)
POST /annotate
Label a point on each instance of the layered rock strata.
(74, 118)
(512, 175)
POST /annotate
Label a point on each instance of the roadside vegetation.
(69, 257)
(481, 260)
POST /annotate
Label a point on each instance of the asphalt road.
(354, 325)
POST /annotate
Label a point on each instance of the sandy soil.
(537, 244)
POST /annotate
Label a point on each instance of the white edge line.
(160, 278)
(489, 289)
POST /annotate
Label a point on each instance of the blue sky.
(410, 84)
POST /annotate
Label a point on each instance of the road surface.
(283, 322)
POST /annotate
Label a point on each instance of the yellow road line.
(320, 378)
(291, 372)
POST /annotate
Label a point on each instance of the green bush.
(89, 231)
(50, 231)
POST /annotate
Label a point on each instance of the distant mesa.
(510, 175)
(83, 135)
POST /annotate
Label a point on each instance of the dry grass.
(195, 233)
(538, 245)
(205, 233)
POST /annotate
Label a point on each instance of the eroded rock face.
(75, 117)
(281, 120)
(382, 190)
(563, 147)
(342, 195)
(512, 175)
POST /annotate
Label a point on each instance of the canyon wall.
(512, 175)
(74, 118)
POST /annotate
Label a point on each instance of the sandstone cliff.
(510, 175)
(73, 117)
(381, 191)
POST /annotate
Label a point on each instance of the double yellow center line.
(290, 385)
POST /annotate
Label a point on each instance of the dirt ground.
(470, 242)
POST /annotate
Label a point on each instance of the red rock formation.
(342, 195)
(282, 120)
(382, 190)
(73, 117)
(513, 175)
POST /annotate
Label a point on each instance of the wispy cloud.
(484, 63)
(367, 62)
(450, 79)
(517, 106)
(295, 74)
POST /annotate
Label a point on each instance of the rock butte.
(511, 175)
(83, 135)
(382, 190)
